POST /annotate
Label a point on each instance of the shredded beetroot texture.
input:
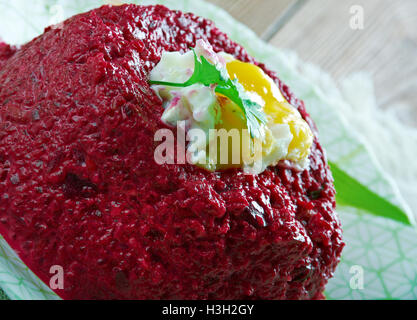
(79, 186)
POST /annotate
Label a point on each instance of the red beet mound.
(79, 186)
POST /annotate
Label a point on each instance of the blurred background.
(330, 34)
(369, 47)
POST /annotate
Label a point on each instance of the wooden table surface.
(320, 32)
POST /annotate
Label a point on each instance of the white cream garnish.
(285, 136)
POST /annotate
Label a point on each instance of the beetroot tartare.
(79, 186)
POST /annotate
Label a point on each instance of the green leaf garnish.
(208, 74)
(352, 193)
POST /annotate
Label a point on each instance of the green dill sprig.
(207, 74)
(350, 192)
